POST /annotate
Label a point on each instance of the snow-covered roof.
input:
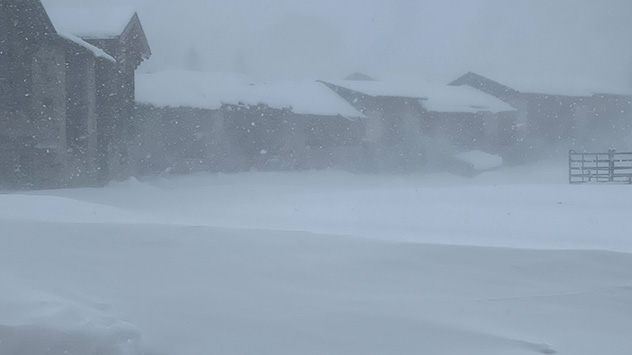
(436, 98)
(212, 90)
(577, 85)
(96, 51)
(188, 88)
(570, 87)
(92, 22)
(444, 98)
(304, 97)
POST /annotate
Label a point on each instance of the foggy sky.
(433, 39)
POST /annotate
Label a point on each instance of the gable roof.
(484, 84)
(575, 86)
(433, 97)
(134, 33)
(213, 90)
(95, 24)
(445, 98)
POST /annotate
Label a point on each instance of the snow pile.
(211, 90)
(62, 209)
(319, 263)
(91, 22)
(67, 331)
(437, 98)
(480, 161)
(200, 290)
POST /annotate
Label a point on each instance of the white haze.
(514, 261)
(435, 39)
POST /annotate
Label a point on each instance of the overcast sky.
(434, 39)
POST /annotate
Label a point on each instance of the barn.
(561, 114)
(64, 96)
(195, 121)
(410, 124)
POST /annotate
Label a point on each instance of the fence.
(599, 167)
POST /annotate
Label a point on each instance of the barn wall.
(179, 140)
(5, 95)
(107, 122)
(47, 123)
(81, 112)
(116, 109)
(21, 37)
(66, 117)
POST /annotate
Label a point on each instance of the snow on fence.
(599, 167)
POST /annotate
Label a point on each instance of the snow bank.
(61, 209)
(48, 316)
(319, 263)
(207, 290)
(496, 208)
(115, 339)
(480, 161)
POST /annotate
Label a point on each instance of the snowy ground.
(511, 262)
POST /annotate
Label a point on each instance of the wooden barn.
(118, 32)
(196, 121)
(576, 116)
(410, 124)
(53, 92)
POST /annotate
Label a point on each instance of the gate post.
(570, 166)
(611, 164)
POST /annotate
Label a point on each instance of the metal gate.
(599, 167)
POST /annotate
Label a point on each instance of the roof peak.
(357, 76)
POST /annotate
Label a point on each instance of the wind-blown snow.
(437, 98)
(211, 90)
(91, 22)
(319, 263)
(480, 160)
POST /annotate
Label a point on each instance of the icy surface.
(480, 160)
(436, 97)
(211, 90)
(91, 22)
(319, 263)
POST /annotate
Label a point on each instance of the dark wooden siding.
(4, 61)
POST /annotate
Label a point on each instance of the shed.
(115, 32)
(240, 124)
(407, 120)
(552, 111)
